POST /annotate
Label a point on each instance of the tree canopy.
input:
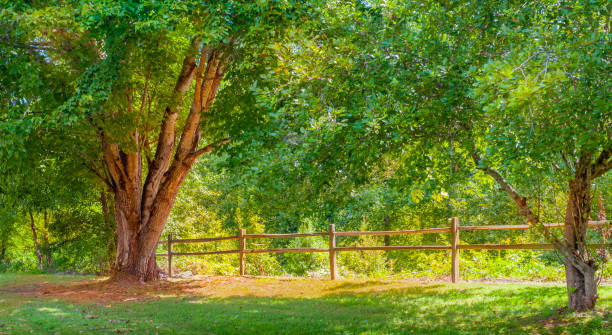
(366, 114)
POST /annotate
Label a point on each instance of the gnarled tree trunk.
(579, 274)
(141, 209)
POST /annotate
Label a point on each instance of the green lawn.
(300, 306)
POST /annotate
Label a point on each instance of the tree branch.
(558, 168)
(94, 168)
(189, 138)
(143, 98)
(520, 201)
(165, 144)
(184, 158)
(210, 147)
(113, 161)
(603, 164)
(566, 161)
(526, 211)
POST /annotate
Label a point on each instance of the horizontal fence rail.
(394, 232)
(454, 247)
(526, 226)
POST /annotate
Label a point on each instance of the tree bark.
(36, 244)
(579, 274)
(142, 209)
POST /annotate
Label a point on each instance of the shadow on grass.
(350, 285)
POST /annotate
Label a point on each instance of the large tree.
(127, 70)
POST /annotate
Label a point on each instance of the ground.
(60, 304)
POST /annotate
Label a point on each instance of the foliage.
(367, 115)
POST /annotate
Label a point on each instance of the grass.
(54, 304)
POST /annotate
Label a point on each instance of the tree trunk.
(108, 217)
(128, 218)
(387, 223)
(46, 244)
(580, 268)
(105, 211)
(2, 250)
(580, 275)
(142, 209)
(36, 244)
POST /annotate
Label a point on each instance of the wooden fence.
(454, 246)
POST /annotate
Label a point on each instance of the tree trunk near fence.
(141, 209)
(387, 223)
(580, 266)
(137, 240)
(580, 274)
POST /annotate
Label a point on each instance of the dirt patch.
(31, 285)
(103, 292)
(112, 291)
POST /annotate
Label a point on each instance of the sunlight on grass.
(233, 305)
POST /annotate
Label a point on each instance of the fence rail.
(454, 246)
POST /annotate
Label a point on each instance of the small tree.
(546, 110)
(521, 91)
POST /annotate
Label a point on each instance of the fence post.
(242, 244)
(332, 251)
(170, 255)
(454, 250)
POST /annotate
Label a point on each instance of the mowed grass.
(42, 304)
